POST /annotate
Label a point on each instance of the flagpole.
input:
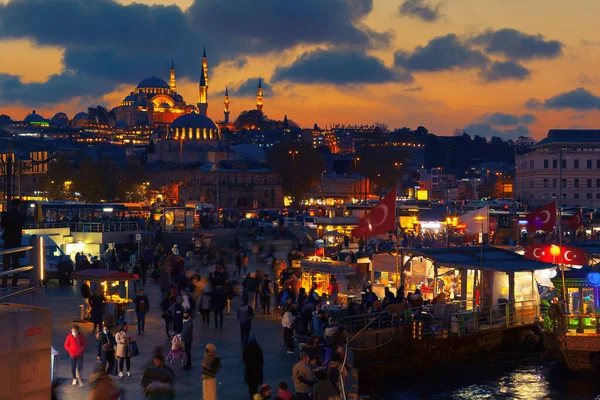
(559, 226)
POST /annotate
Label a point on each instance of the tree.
(249, 120)
(378, 164)
(297, 172)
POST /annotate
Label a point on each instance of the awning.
(491, 258)
(102, 275)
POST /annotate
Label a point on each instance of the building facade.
(565, 166)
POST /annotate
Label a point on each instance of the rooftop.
(556, 136)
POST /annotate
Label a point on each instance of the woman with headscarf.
(254, 362)
(210, 366)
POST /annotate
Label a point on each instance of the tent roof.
(101, 275)
(493, 259)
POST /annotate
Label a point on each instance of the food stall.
(115, 289)
(320, 271)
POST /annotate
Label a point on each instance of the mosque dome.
(33, 117)
(153, 83)
(165, 105)
(59, 115)
(60, 119)
(178, 97)
(131, 97)
(193, 121)
(80, 116)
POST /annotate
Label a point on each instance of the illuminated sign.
(422, 194)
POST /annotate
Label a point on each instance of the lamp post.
(355, 161)
(181, 158)
(293, 153)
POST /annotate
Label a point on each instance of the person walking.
(142, 306)
(245, 313)
(12, 223)
(96, 302)
(178, 315)
(250, 287)
(238, 263)
(103, 386)
(123, 340)
(254, 362)
(266, 291)
(204, 308)
(158, 381)
(75, 345)
(303, 378)
(287, 321)
(245, 263)
(106, 349)
(218, 299)
(187, 336)
(230, 292)
(210, 367)
(166, 308)
(164, 279)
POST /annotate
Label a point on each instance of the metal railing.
(36, 270)
(461, 322)
(106, 226)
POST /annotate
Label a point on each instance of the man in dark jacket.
(218, 300)
(142, 306)
(105, 350)
(12, 224)
(254, 362)
(178, 315)
(187, 336)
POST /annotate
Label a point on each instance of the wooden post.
(511, 297)
(435, 274)
(581, 325)
(463, 285)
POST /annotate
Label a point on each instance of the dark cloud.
(579, 99)
(527, 119)
(440, 54)
(125, 43)
(505, 70)
(517, 45)
(248, 88)
(503, 119)
(487, 130)
(421, 9)
(58, 88)
(534, 104)
(338, 67)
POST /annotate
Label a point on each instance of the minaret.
(172, 80)
(226, 110)
(203, 87)
(259, 96)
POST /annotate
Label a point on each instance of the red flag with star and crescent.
(542, 218)
(576, 220)
(381, 219)
(555, 254)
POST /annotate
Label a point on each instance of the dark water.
(527, 382)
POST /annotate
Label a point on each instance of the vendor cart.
(115, 289)
(320, 271)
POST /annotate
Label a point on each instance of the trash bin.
(130, 317)
(81, 312)
(54, 362)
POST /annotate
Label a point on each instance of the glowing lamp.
(555, 250)
(593, 278)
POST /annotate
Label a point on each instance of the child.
(177, 350)
(283, 393)
(264, 393)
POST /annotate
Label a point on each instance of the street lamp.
(355, 161)
(293, 153)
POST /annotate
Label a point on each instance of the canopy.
(102, 275)
(491, 258)
(384, 262)
(324, 267)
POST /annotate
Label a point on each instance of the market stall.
(115, 286)
(324, 272)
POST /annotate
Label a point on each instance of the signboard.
(138, 238)
(422, 194)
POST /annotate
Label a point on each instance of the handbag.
(134, 351)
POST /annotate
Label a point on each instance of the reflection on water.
(534, 382)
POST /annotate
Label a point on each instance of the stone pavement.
(64, 302)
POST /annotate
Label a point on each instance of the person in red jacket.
(75, 346)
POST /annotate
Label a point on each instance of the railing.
(107, 226)
(355, 323)
(36, 270)
(462, 322)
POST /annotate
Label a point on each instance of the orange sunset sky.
(547, 50)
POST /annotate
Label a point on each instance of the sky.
(504, 68)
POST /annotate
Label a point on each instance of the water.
(526, 382)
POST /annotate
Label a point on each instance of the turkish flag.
(555, 255)
(381, 219)
(542, 219)
(576, 220)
